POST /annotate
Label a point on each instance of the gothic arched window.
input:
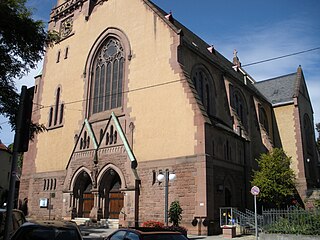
(239, 105)
(263, 118)
(107, 81)
(308, 131)
(205, 88)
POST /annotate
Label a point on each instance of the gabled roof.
(2, 146)
(193, 41)
(279, 90)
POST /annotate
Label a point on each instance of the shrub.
(305, 223)
(153, 224)
(174, 228)
(175, 213)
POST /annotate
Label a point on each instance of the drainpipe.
(136, 202)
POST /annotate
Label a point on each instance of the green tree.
(275, 178)
(318, 139)
(175, 212)
(22, 44)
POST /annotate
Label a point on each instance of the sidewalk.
(101, 233)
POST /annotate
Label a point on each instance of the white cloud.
(278, 39)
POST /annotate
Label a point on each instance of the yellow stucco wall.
(285, 121)
(163, 117)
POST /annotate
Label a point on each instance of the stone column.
(94, 210)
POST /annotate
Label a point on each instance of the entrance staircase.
(81, 221)
(113, 223)
(246, 220)
(108, 223)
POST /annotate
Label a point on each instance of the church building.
(129, 95)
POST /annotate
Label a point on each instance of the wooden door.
(87, 204)
(115, 205)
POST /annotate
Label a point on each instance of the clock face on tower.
(66, 27)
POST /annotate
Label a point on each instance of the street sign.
(255, 190)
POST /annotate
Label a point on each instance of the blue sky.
(259, 30)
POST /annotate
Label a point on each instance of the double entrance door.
(114, 208)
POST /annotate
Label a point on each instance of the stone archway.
(111, 199)
(83, 199)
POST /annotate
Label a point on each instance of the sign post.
(255, 191)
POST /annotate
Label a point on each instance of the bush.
(153, 224)
(175, 213)
(307, 223)
(174, 228)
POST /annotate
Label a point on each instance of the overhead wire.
(279, 57)
(178, 80)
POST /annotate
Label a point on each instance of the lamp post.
(166, 178)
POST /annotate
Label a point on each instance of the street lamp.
(166, 178)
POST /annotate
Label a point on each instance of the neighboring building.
(128, 93)
(5, 169)
(294, 117)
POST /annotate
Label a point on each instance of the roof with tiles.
(279, 90)
(199, 45)
(3, 147)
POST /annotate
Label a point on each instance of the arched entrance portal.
(110, 196)
(83, 196)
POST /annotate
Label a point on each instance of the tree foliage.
(22, 45)
(175, 212)
(275, 178)
(22, 42)
(318, 139)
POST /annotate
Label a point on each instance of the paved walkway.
(101, 233)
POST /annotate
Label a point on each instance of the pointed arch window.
(239, 105)
(263, 118)
(308, 132)
(204, 86)
(55, 118)
(107, 84)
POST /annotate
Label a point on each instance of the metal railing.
(292, 220)
(287, 221)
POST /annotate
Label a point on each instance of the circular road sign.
(255, 190)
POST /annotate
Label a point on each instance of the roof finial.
(211, 49)
(236, 61)
(169, 16)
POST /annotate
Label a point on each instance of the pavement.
(100, 233)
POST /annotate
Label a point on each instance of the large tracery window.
(107, 84)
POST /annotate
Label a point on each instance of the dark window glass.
(50, 116)
(132, 236)
(114, 84)
(101, 89)
(118, 235)
(107, 84)
(56, 107)
(61, 113)
(204, 86)
(66, 53)
(96, 91)
(101, 134)
(58, 56)
(108, 87)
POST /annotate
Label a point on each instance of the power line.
(283, 56)
(174, 81)
(111, 94)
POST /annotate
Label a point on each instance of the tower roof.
(279, 90)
